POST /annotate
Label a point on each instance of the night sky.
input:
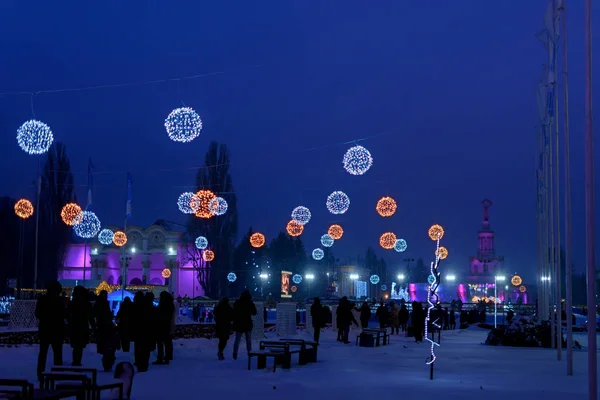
(442, 91)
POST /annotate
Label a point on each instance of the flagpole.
(566, 153)
(589, 209)
(37, 228)
(123, 257)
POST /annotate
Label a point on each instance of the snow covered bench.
(262, 356)
(22, 389)
(92, 387)
(283, 349)
(377, 335)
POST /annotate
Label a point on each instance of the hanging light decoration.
(231, 277)
(301, 215)
(357, 160)
(436, 232)
(183, 125)
(184, 202)
(387, 240)
(208, 255)
(257, 240)
(318, 254)
(200, 202)
(374, 279)
(34, 137)
(23, 209)
(335, 231)
(86, 225)
(201, 242)
(294, 228)
(106, 237)
(166, 273)
(297, 278)
(69, 212)
(442, 253)
(218, 206)
(386, 206)
(326, 240)
(120, 238)
(400, 245)
(338, 202)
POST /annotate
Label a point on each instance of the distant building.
(151, 257)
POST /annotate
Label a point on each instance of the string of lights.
(436, 232)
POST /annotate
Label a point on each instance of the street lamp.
(496, 279)
(309, 278)
(451, 278)
(400, 277)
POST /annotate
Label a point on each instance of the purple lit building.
(146, 255)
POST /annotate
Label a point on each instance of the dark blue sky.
(446, 88)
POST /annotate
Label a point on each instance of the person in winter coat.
(340, 331)
(382, 315)
(124, 324)
(80, 318)
(418, 320)
(365, 315)
(50, 312)
(142, 331)
(243, 310)
(403, 317)
(344, 311)
(452, 320)
(107, 340)
(395, 319)
(164, 318)
(318, 318)
(223, 317)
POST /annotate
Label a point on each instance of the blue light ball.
(301, 215)
(338, 202)
(297, 278)
(184, 203)
(231, 277)
(400, 245)
(106, 237)
(183, 125)
(218, 206)
(86, 225)
(357, 160)
(327, 240)
(34, 137)
(384, 287)
(201, 242)
(431, 279)
(318, 254)
(374, 279)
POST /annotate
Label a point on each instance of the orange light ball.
(23, 208)
(200, 203)
(208, 255)
(335, 231)
(166, 273)
(522, 288)
(387, 240)
(386, 206)
(120, 238)
(69, 212)
(436, 232)
(257, 240)
(442, 252)
(293, 228)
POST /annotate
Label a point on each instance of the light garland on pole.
(436, 232)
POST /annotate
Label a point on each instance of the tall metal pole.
(567, 162)
(37, 227)
(551, 225)
(589, 210)
(495, 301)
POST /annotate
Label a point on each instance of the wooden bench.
(94, 389)
(261, 357)
(308, 349)
(281, 348)
(23, 390)
(382, 333)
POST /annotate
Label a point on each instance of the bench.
(23, 390)
(383, 332)
(80, 382)
(308, 349)
(282, 349)
(377, 334)
(93, 389)
(261, 357)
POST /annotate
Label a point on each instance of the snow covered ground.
(464, 368)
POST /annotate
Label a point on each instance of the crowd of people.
(139, 321)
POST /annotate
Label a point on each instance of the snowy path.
(464, 368)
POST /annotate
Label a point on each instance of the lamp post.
(353, 277)
(309, 279)
(450, 278)
(496, 279)
(263, 276)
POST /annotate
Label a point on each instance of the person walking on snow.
(243, 311)
(223, 317)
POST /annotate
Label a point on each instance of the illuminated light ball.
(384, 287)
(374, 279)
(335, 231)
(87, 225)
(301, 215)
(294, 289)
(257, 240)
(120, 238)
(200, 203)
(318, 254)
(294, 228)
(436, 232)
(184, 203)
(231, 277)
(218, 206)
(166, 273)
(201, 242)
(106, 237)
(338, 202)
(357, 160)
(516, 280)
(400, 245)
(431, 279)
(388, 240)
(23, 208)
(297, 278)
(522, 289)
(69, 212)
(386, 206)
(34, 137)
(208, 255)
(442, 253)
(183, 125)
(326, 240)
